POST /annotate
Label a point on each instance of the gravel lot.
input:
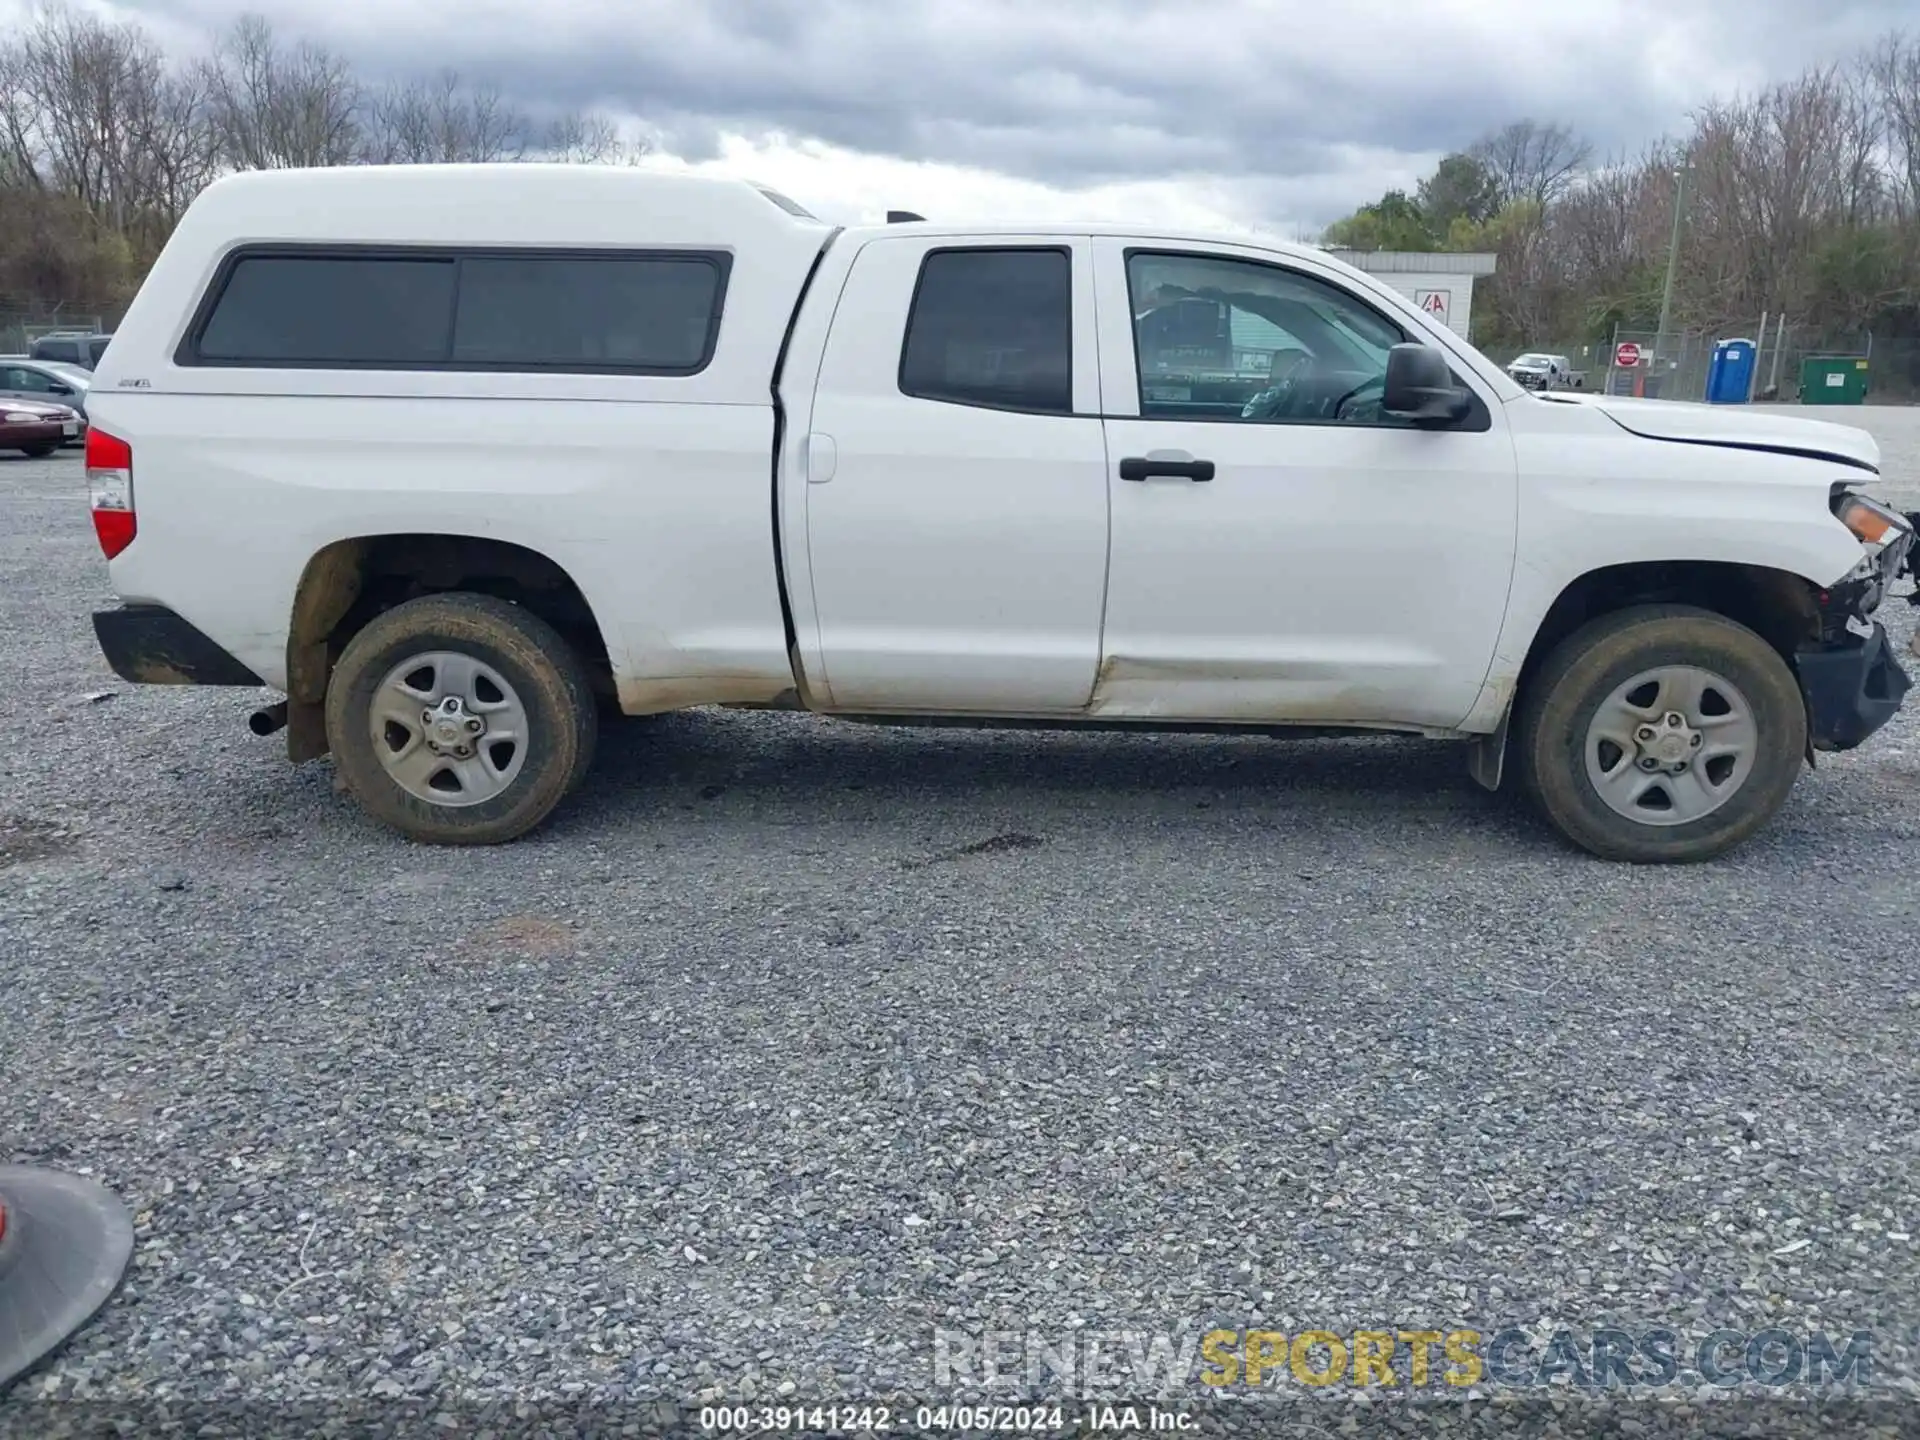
(789, 1042)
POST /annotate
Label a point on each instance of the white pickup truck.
(442, 452)
(1537, 371)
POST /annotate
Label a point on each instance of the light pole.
(1673, 257)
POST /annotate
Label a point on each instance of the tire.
(525, 662)
(1557, 749)
(39, 452)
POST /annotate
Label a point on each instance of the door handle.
(1178, 465)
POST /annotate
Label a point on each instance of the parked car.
(438, 452)
(1547, 372)
(48, 381)
(73, 347)
(37, 429)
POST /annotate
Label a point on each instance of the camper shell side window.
(340, 307)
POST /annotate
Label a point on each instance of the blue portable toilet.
(1730, 374)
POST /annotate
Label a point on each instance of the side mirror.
(59, 389)
(1420, 386)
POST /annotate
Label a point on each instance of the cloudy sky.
(1274, 115)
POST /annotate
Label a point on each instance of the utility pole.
(1673, 258)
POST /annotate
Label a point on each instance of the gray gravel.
(789, 1042)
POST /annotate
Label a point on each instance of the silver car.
(52, 382)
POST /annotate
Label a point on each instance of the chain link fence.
(21, 325)
(1679, 370)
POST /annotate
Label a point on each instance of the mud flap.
(1487, 755)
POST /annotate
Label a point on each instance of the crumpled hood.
(1730, 425)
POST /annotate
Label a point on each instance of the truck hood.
(1732, 426)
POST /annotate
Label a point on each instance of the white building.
(1440, 284)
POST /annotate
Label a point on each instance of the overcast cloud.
(1274, 114)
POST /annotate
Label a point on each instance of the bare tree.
(105, 140)
(443, 120)
(587, 137)
(275, 108)
(19, 123)
(1617, 217)
(1773, 177)
(92, 110)
(1532, 161)
(1893, 72)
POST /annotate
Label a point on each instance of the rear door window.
(993, 328)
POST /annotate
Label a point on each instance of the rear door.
(955, 467)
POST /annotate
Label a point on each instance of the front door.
(1282, 550)
(956, 495)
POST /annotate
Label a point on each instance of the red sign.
(1627, 356)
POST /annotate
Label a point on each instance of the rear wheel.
(460, 719)
(1662, 733)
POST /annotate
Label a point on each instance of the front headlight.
(1871, 521)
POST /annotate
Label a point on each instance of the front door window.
(1225, 339)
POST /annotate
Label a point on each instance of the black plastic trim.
(791, 630)
(150, 645)
(1803, 452)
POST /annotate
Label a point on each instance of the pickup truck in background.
(1536, 371)
(454, 457)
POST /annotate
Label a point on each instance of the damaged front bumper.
(1851, 678)
(1853, 687)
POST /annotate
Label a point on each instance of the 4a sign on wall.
(1435, 302)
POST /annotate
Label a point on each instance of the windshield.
(1533, 360)
(70, 373)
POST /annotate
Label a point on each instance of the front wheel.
(39, 452)
(1661, 733)
(460, 719)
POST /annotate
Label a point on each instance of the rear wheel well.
(1777, 605)
(348, 583)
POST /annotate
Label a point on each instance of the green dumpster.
(1833, 380)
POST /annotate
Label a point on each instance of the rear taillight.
(110, 490)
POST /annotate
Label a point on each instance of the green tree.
(1393, 222)
(1460, 188)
